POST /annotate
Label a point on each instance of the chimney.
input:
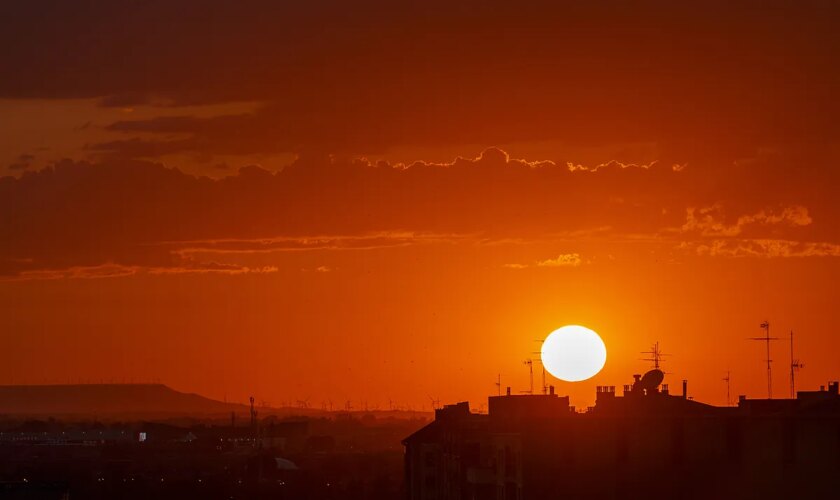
(508, 391)
(834, 387)
(551, 390)
(685, 389)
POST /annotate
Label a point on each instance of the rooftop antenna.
(655, 354)
(499, 384)
(530, 364)
(795, 365)
(544, 385)
(766, 339)
(435, 402)
(727, 379)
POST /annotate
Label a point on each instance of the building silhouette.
(644, 443)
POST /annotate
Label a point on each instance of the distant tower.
(255, 425)
(766, 339)
(253, 413)
(795, 365)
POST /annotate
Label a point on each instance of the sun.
(573, 353)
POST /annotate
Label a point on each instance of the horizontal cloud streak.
(710, 221)
(141, 215)
(562, 260)
(118, 271)
(763, 248)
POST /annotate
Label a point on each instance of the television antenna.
(435, 402)
(530, 363)
(499, 384)
(655, 354)
(766, 339)
(540, 361)
(727, 379)
(795, 365)
(544, 385)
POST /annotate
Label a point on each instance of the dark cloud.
(362, 77)
(140, 215)
(23, 162)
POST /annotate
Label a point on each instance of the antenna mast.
(530, 364)
(795, 365)
(544, 386)
(655, 354)
(766, 339)
(499, 384)
(727, 379)
(253, 413)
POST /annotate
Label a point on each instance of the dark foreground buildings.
(339, 456)
(646, 443)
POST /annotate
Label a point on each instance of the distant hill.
(106, 399)
(148, 401)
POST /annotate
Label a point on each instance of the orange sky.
(389, 202)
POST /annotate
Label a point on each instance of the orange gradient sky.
(375, 201)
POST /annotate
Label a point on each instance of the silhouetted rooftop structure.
(641, 443)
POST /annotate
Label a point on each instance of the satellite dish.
(651, 380)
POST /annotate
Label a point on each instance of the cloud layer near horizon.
(135, 215)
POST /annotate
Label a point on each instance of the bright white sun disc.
(573, 353)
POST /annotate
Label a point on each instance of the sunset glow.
(381, 202)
